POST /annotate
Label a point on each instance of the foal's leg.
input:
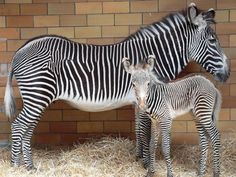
(155, 132)
(215, 139)
(203, 147)
(165, 130)
(139, 146)
(144, 134)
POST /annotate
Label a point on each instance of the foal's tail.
(9, 100)
(217, 107)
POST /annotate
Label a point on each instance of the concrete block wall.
(105, 22)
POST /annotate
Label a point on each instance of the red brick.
(125, 114)
(33, 9)
(9, 9)
(14, 45)
(73, 20)
(63, 127)
(6, 57)
(115, 7)
(75, 115)
(226, 4)
(60, 8)
(52, 115)
(46, 21)
(9, 33)
(42, 127)
(54, 139)
(105, 115)
(88, 8)
(5, 127)
(227, 126)
(185, 138)
(144, 6)
(203, 4)
(117, 126)
(20, 21)
(149, 18)
(226, 28)
(170, 5)
(89, 127)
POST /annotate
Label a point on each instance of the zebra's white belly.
(104, 105)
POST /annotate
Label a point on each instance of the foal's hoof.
(146, 165)
(137, 157)
(215, 174)
(31, 168)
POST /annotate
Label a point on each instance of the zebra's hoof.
(150, 174)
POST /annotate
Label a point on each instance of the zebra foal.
(163, 102)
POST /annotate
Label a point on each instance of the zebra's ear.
(209, 16)
(150, 62)
(126, 64)
(192, 11)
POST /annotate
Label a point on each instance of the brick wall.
(103, 22)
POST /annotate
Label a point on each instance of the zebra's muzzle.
(222, 77)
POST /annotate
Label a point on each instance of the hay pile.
(114, 157)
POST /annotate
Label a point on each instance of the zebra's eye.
(212, 40)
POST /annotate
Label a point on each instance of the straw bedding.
(115, 157)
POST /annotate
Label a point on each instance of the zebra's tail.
(9, 100)
(217, 107)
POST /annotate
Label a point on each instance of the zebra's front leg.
(165, 131)
(155, 131)
(204, 149)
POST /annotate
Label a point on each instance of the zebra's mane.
(151, 29)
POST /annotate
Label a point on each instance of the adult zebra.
(50, 68)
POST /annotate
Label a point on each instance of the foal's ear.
(126, 64)
(150, 62)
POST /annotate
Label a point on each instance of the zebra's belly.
(104, 105)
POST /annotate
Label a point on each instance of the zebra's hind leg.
(22, 131)
(204, 149)
(17, 130)
(26, 147)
